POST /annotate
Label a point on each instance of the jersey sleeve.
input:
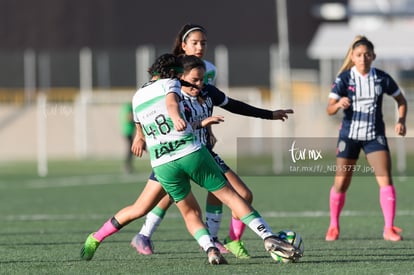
(392, 88)
(210, 74)
(173, 86)
(338, 88)
(136, 119)
(218, 97)
(134, 105)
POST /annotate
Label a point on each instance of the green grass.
(46, 220)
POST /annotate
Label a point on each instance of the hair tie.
(363, 41)
(176, 69)
(191, 30)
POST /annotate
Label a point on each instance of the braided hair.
(166, 66)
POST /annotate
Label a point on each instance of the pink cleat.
(142, 244)
(220, 246)
(392, 234)
(332, 234)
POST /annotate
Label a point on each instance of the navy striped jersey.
(199, 108)
(363, 119)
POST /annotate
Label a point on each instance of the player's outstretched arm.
(235, 106)
(281, 114)
(212, 120)
(207, 122)
(241, 108)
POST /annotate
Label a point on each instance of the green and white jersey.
(210, 75)
(164, 143)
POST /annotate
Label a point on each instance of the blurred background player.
(128, 132)
(359, 90)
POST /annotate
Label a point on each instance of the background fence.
(66, 104)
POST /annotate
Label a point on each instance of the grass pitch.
(46, 220)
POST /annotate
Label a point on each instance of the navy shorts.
(223, 166)
(350, 148)
(152, 176)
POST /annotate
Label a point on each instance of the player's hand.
(212, 120)
(344, 103)
(281, 114)
(138, 147)
(400, 129)
(179, 124)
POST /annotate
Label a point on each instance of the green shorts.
(198, 166)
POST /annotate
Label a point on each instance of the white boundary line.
(273, 214)
(82, 181)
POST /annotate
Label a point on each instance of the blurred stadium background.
(67, 66)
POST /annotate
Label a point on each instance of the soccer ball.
(293, 238)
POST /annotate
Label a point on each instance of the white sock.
(203, 239)
(256, 223)
(213, 222)
(152, 221)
